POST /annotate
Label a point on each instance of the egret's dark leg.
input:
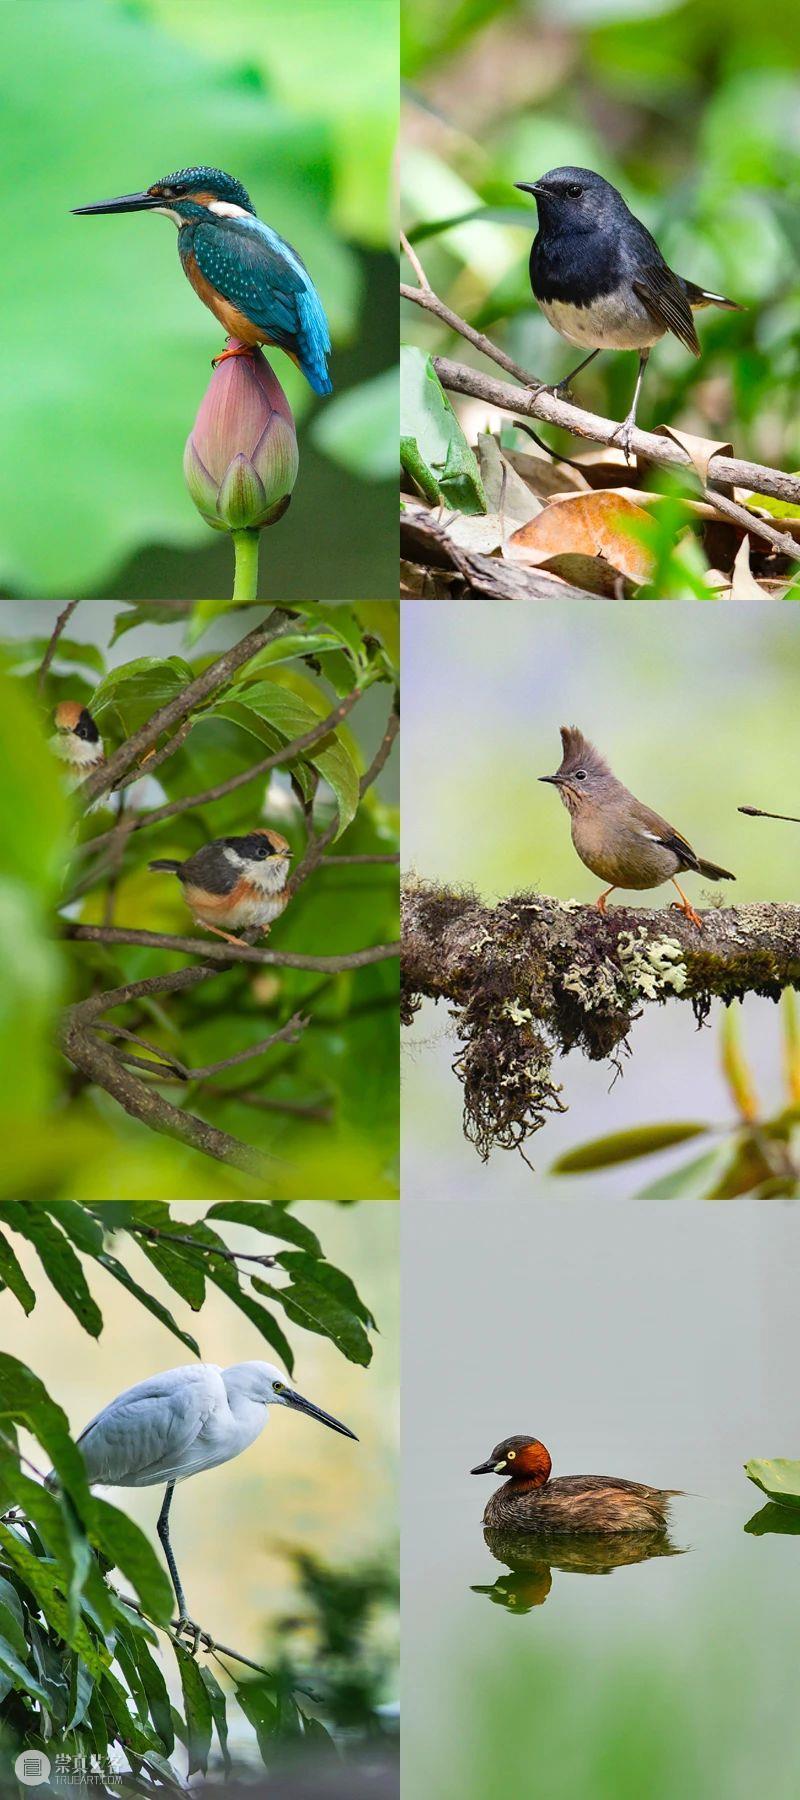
(624, 432)
(162, 1527)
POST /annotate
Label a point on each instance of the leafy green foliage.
(324, 1108)
(318, 1297)
(80, 1666)
(433, 449)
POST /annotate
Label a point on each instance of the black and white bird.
(601, 280)
(77, 741)
(235, 882)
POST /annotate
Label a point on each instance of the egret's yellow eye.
(511, 1455)
(278, 1387)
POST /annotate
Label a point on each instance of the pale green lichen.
(652, 968)
(595, 984)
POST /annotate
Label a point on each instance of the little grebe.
(530, 1501)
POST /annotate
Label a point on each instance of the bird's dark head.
(72, 719)
(519, 1459)
(259, 846)
(183, 196)
(583, 773)
(574, 198)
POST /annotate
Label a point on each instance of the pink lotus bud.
(240, 461)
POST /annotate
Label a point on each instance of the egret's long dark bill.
(126, 203)
(315, 1412)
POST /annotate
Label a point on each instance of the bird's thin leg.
(218, 932)
(624, 432)
(186, 1624)
(600, 902)
(686, 907)
(239, 350)
(562, 387)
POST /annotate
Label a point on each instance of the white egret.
(178, 1423)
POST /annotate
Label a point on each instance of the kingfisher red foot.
(249, 277)
(231, 350)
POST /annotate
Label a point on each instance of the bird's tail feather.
(698, 296)
(709, 869)
(165, 862)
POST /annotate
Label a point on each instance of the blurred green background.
(653, 1343)
(691, 108)
(107, 350)
(697, 714)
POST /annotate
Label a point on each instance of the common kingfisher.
(252, 280)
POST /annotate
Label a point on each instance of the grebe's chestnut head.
(520, 1459)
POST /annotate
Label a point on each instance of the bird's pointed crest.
(579, 753)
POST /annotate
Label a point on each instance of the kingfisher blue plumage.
(251, 279)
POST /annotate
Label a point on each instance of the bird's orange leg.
(218, 932)
(600, 902)
(686, 906)
(241, 350)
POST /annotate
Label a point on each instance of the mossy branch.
(534, 977)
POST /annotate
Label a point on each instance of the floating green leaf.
(779, 1477)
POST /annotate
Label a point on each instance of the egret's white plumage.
(176, 1424)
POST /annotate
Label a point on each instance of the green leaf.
(14, 1278)
(274, 1221)
(779, 1477)
(271, 704)
(358, 429)
(137, 689)
(24, 651)
(178, 1266)
(12, 1621)
(218, 1711)
(58, 1260)
(78, 1223)
(123, 1541)
(22, 1678)
(774, 1520)
(45, 1583)
(695, 1180)
(157, 1692)
(433, 449)
(24, 1398)
(310, 1268)
(224, 1275)
(310, 1303)
(197, 1710)
(625, 1146)
(148, 1301)
(81, 1688)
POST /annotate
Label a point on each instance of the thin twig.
(154, 1233)
(392, 856)
(288, 1034)
(154, 760)
(424, 296)
(755, 812)
(59, 626)
(230, 953)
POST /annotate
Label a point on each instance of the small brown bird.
(617, 837)
(235, 881)
(77, 741)
(530, 1501)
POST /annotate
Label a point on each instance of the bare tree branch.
(230, 953)
(287, 1034)
(531, 978)
(59, 626)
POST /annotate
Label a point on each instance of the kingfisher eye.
(574, 190)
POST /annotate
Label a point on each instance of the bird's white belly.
(257, 908)
(615, 321)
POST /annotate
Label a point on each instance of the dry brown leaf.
(700, 450)
(744, 585)
(585, 525)
(545, 475)
(506, 492)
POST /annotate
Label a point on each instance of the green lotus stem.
(245, 549)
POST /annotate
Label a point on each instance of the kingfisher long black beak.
(126, 203)
(530, 187)
(315, 1412)
(487, 1468)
